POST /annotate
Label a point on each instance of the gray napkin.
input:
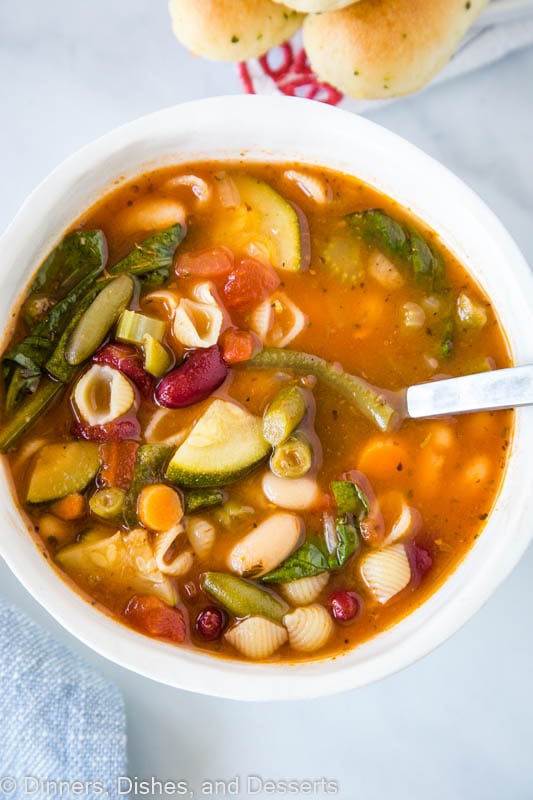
(59, 719)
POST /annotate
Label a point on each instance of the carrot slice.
(151, 615)
(237, 345)
(118, 461)
(159, 507)
(70, 507)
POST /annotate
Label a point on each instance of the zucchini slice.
(226, 443)
(61, 469)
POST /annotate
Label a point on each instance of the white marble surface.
(459, 723)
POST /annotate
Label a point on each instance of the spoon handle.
(500, 388)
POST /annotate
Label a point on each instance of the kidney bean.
(151, 615)
(210, 623)
(421, 560)
(124, 428)
(344, 605)
(194, 380)
(128, 360)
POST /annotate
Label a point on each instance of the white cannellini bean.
(266, 546)
(256, 637)
(413, 315)
(151, 214)
(303, 591)
(201, 535)
(384, 272)
(312, 186)
(309, 627)
(103, 394)
(386, 572)
(296, 494)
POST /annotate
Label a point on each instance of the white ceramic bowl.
(281, 129)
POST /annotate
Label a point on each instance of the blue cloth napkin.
(59, 719)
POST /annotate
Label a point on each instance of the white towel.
(505, 26)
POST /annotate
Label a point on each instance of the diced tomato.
(213, 263)
(237, 345)
(126, 428)
(151, 615)
(129, 361)
(118, 462)
(248, 283)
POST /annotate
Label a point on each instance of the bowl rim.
(464, 591)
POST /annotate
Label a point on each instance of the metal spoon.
(485, 391)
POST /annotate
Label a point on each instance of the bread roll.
(386, 48)
(317, 6)
(232, 30)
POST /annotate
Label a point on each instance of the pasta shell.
(151, 214)
(102, 394)
(200, 188)
(312, 186)
(256, 637)
(150, 432)
(309, 627)
(297, 494)
(164, 298)
(386, 572)
(266, 546)
(408, 523)
(303, 591)
(201, 535)
(197, 324)
(183, 561)
(277, 321)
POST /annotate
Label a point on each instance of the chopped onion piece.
(227, 191)
(200, 188)
(311, 185)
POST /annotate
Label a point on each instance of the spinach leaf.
(347, 543)
(78, 253)
(350, 498)
(306, 561)
(153, 257)
(404, 245)
(23, 364)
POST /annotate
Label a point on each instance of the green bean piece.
(243, 598)
(28, 413)
(78, 253)
(284, 414)
(152, 259)
(200, 499)
(293, 458)
(98, 319)
(231, 511)
(382, 408)
(108, 503)
(150, 463)
(24, 362)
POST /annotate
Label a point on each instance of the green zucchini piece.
(273, 219)
(380, 407)
(152, 259)
(79, 253)
(28, 413)
(133, 327)
(284, 414)
(225, 443)
(149, 467)
(124, 560)
(243, 598)
(342, 256)
(96, 322)
(61, 469)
